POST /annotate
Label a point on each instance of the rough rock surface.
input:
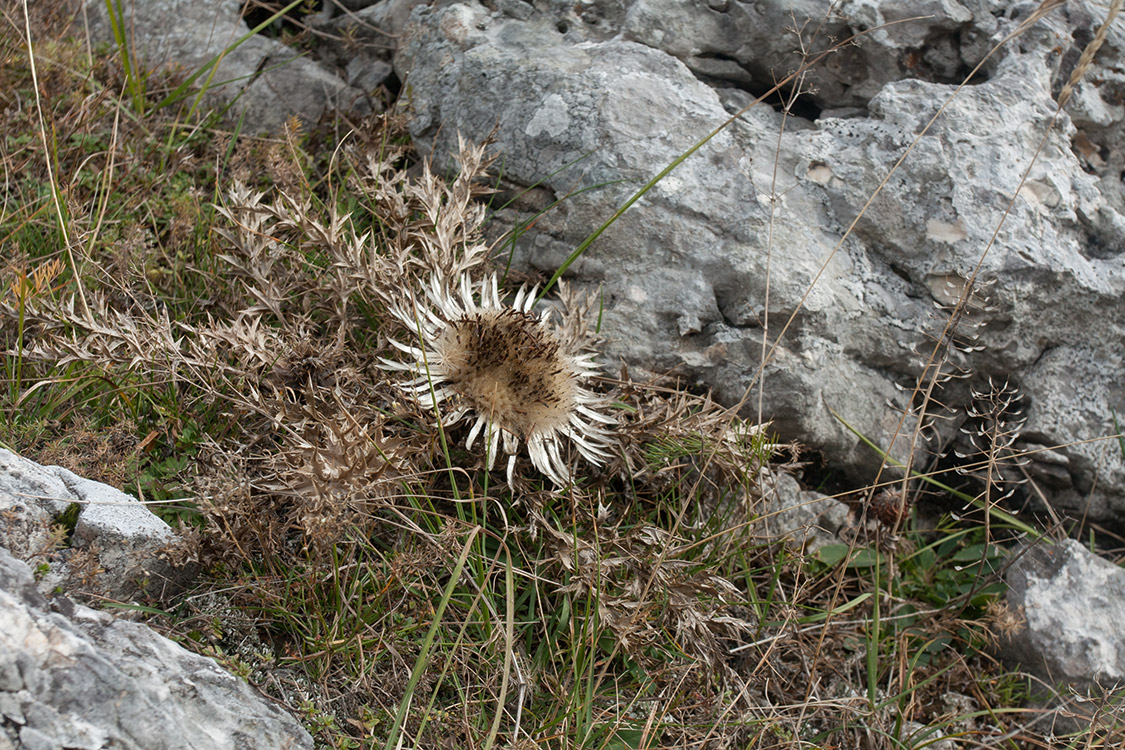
(1074, 603)
(360, 37)
(264, 80)
(114, 548)
(616, 89)
(76, 678)
(808, 519)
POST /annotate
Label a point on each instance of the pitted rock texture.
(806, 519)
(1073, 604)
(590, 100)
(76, 678)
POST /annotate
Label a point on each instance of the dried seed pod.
(889, 509)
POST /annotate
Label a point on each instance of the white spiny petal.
(467, 293)
(413, 351)
(390, 364)
(530, 301)
(591, 414)
(493, 435)
(435, 323)
(458, 414)
(541, 459)
(492, 448)
(475, 431)
(435, 369)
(589, 451)
(425, 388)
(556, 460)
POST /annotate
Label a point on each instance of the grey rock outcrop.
(616, 89)
(115, 544)
(377, 25)
(1073, 605)
(361, 37)
(261, 79)
(76, 678)
(808, 519)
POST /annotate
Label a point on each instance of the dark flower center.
(508, 366)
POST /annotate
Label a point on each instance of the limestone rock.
(590, 100)
(262, 79)
(379, 24)
(116, 544)
(361, 40)
(31, 497)
(1073, 604)
(807, 518)
(77, 678)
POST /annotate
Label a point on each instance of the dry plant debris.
(262, 313)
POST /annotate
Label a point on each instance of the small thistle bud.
(508, 368)
(888, 509)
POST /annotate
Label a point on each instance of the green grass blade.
(211, 66)
(873, 642)
(428, 643)
(974, 501)
(509, 644)
(117, 23)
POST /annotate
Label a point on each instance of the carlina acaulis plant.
(508, 368)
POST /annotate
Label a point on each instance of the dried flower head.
(505, 365)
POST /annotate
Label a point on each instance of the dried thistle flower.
(509, 368)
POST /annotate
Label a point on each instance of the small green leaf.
(625, 739)
(832, 554)
(864, 558)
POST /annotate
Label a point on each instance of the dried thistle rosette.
(506, 367)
